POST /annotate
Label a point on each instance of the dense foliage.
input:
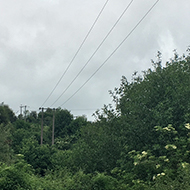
(141, 141)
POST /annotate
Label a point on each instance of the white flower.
(170, 146)
(139, 156)
(174, 147)
(187, 125)
(184, 164)
(167, 129)
(161, 174)
(144, 153)
(135, 163)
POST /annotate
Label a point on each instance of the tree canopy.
(139, 141)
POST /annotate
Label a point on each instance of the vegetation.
(141, 141)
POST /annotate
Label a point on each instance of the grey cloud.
(39, 38)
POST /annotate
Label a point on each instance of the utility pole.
(42, 124)
(21, 106)
(25, 112)
(53, 126)
(21, 109)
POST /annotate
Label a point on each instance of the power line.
(77, 51)
(71, 109)
(83, 109)
(95, 51)
(112, 53)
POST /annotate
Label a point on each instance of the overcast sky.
(39, 38)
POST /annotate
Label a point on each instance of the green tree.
(32, 117)
(38, 156)
(17, 176)
(22, 130)
(159, 97)
(5, 143)
(6, 114)
(63, 119)
(96, 150)
(77, 124)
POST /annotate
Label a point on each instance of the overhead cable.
(94, 51)
(77, 52)
(111, 53)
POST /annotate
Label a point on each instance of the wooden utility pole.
(25, 112)
(42, 125)
(53, 126)
(21, 106)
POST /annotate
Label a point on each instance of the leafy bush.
(16, 176)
